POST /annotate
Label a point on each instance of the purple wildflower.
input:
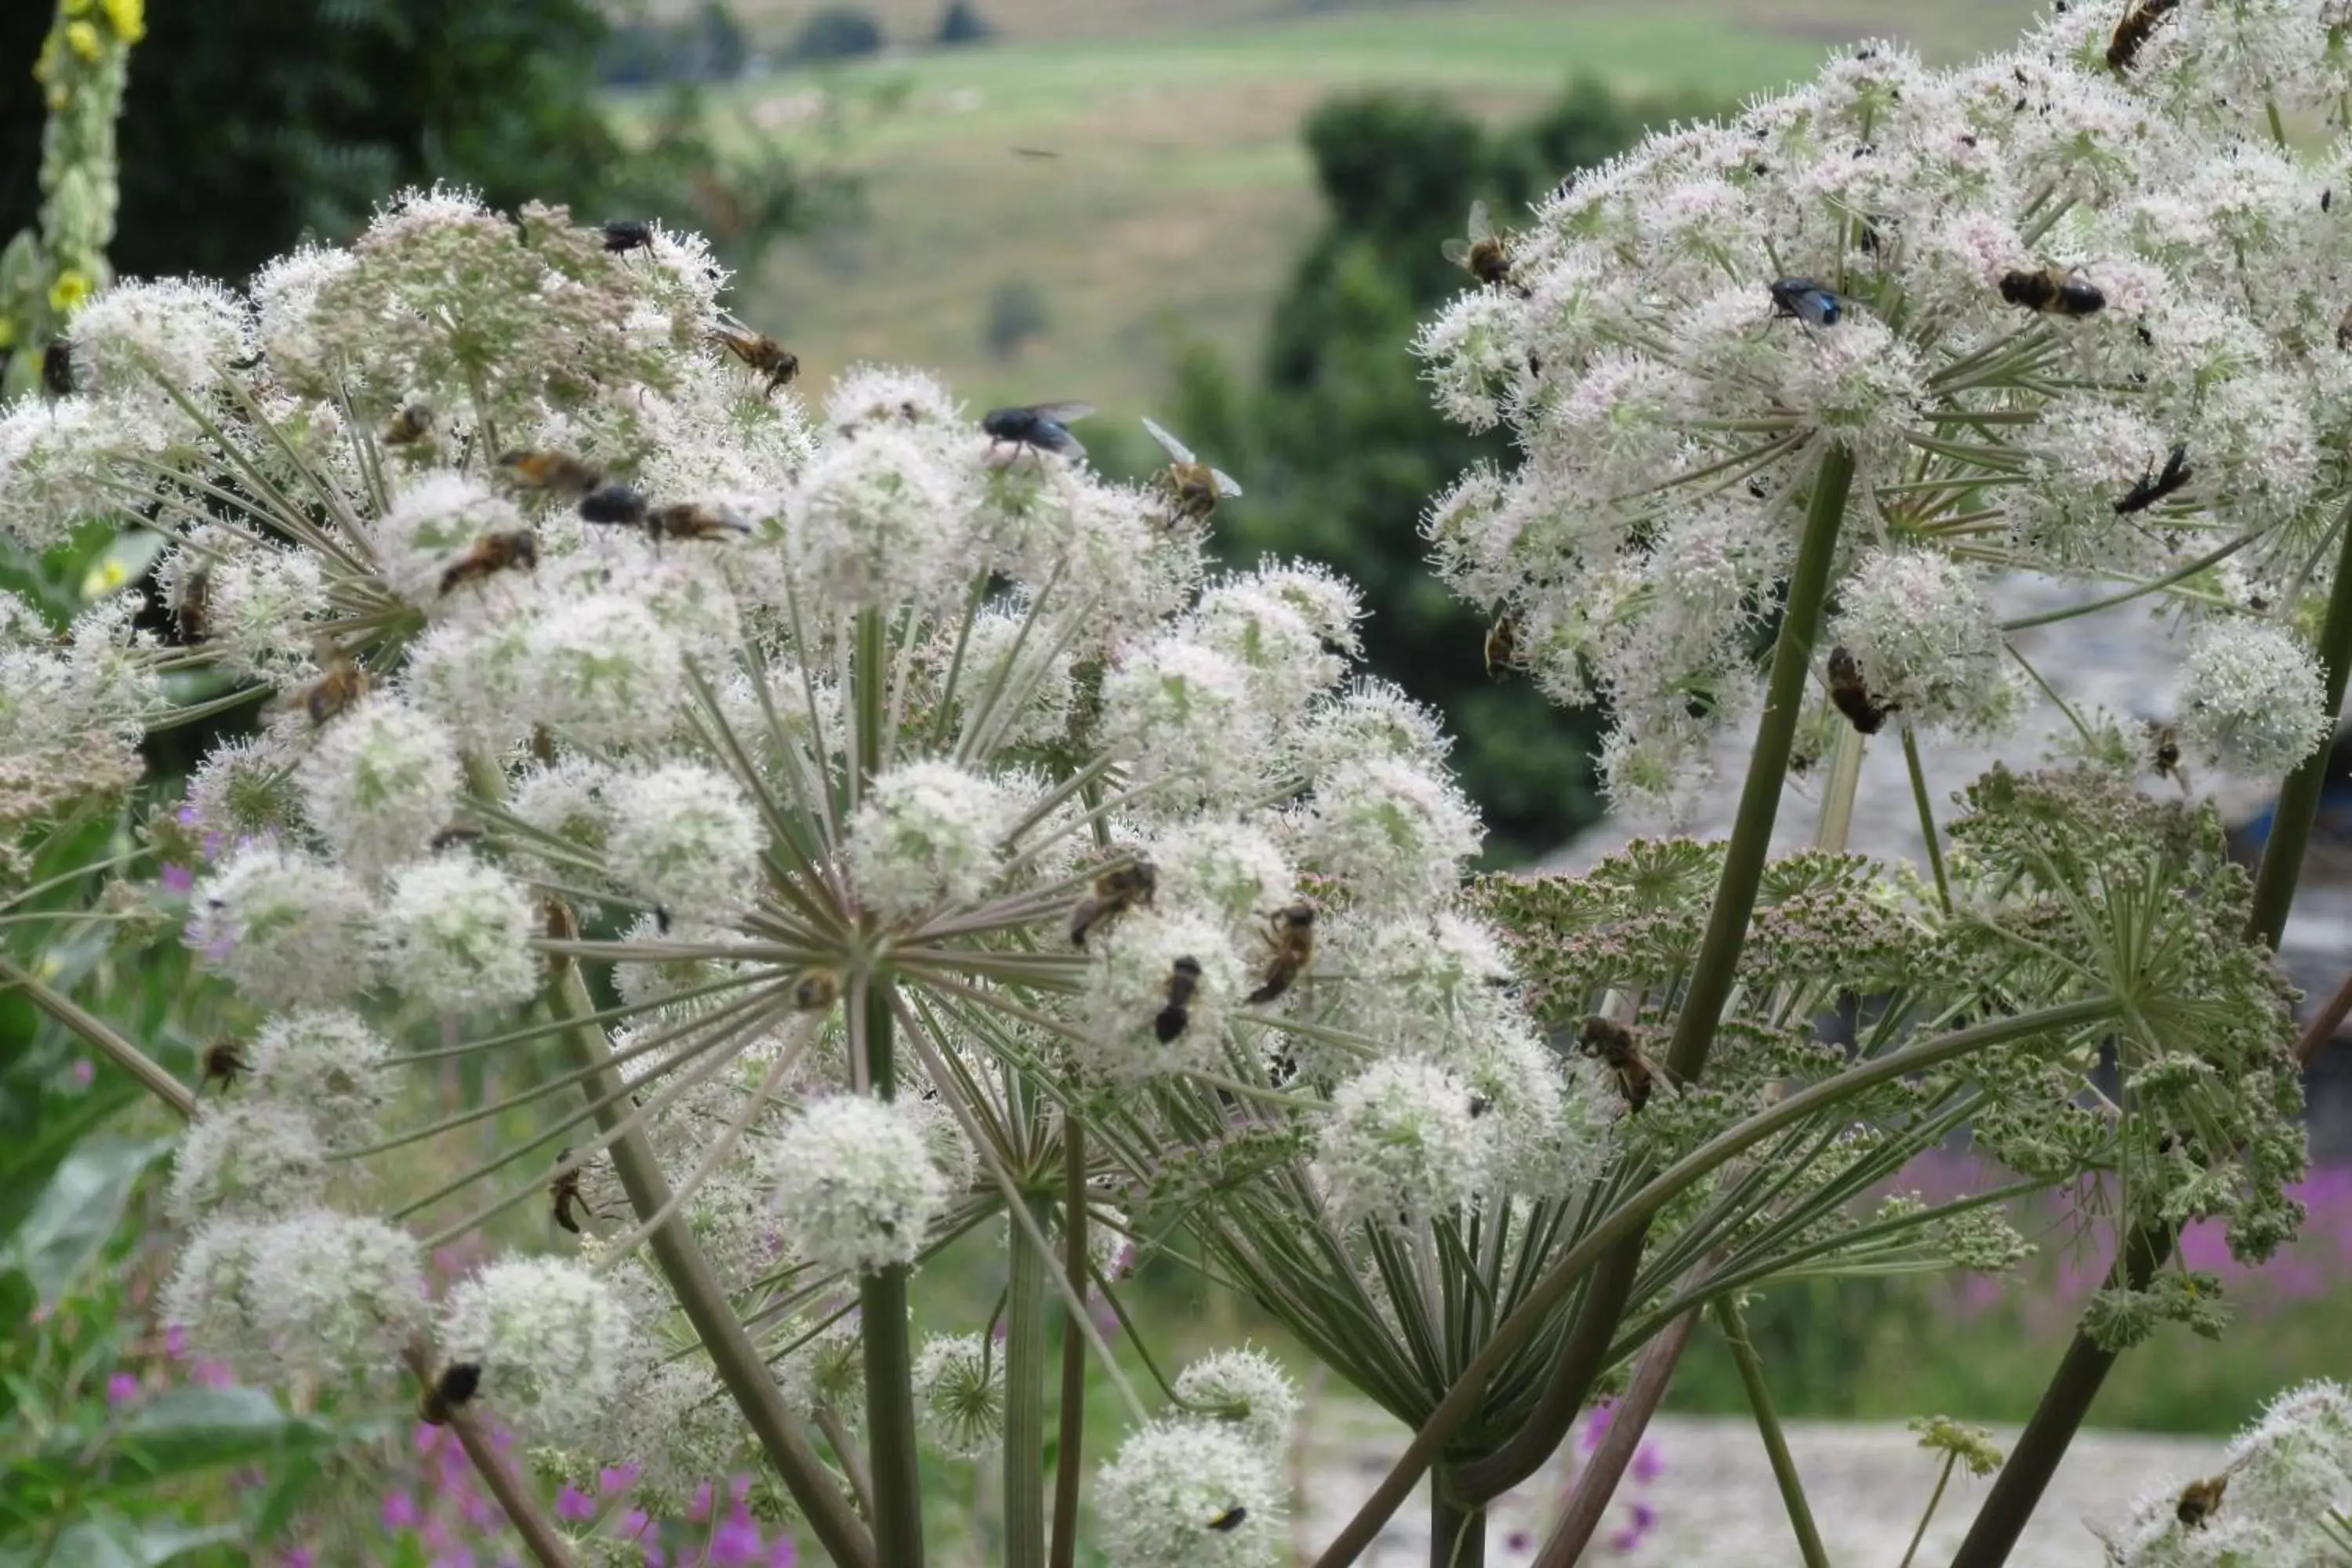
(575, 1504)
(121, 1389)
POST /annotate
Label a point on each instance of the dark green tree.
(1341, 449)
(962, 23)
(837, 33)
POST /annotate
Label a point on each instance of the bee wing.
(1061, 413)
(1225, 485)
(1481, 227)
(1457, 250)
(1172, 446)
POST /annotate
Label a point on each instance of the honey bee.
(1866, 713)
(1613, 1044)
(57, 369)
(2051, 293)
(692, 520)
(627, 234)
(1502, 646)
(1230, 1520)
(1291, 933)
(1116, 891)
(408, 427)
(564, 1195)
(2200, 1500)
(453, 1386)
(450, 837)
(1479, 1106)
(761, 353)
(556, 472)
(1192, 485)
(614, 504)
(816, 990)
(1183, 979)
(493, 552)
(338, 690)
(1484, 255)
(223, 1063)
(2139, 22)
(194, 613)
(2147, 491)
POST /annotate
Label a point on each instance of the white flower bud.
(1159, 996)
(1396, 834)
(380, 783)
(1231, 868)
(1159, 1502)
(285, 928)
(457, 935)
(855, 1184)
(1251, 622)
(960, 1388)
(880, 518)
(1401, 1141)
(1370, 719)
(549, 1337)
(1175, 708)
(685, 838)
(2251, 699)
(1252, 1393)
(436, 519)
(605, 673)
(329, 1063)
(928, 832)
(252, 1159)
(338, 1295)
(1926, 642)
(212, 1294)
(140, 337)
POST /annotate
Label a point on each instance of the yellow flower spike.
(127, 18)
(84, 41)
(69, 291)
(76, 7)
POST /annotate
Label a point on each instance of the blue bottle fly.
(1806, 300)
(1044, 427)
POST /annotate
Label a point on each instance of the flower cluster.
(2283, 1495)
(2055, 313)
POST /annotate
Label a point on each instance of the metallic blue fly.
(1046, 426)
(1806, 300)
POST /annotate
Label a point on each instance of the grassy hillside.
(1178, 194)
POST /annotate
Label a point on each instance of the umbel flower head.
(2282, 1494)
(908, 796)
(2060, 317)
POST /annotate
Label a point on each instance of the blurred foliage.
(962, 23)
(250, 125)
(1340, 448)
(710, 45)
(837, 33)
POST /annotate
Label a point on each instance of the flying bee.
(816, 990)
(58, 368)
(2200, 1500)
(2051, 293)
(2147, 491)
(556, 472)
(410, 425)
(491, 553)
(1231, 1520)
(452, 1387)
(1116, 891)
(194, 612)
(1485, 254)
(1502, 645)
(2138, 23)
(625, 233)
(1038, 426)
(614, 504)
(760, 352)
(2164, 755)
(1291, 933)
(343, 684)
(1195, 487)
(1613, 1044)
(564, 1195)
(692, 520)
(1183, 979)
(1851, 695)
(1801, 299)
(223, 1062)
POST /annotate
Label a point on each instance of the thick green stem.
(1632, 1217)
(2146, 1246)
(1767, 1426)
(885, 1331)
(1457, 1531)
(1596, 1483)
(1067, 1454)
(1845, 783)
(1926, 817)
(1025, 1404)
(1581, 1357)
(99, 1034)
(704, 1301)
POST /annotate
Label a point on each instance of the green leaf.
(109, 1540)
(77, 1212)
(186, 1429)
(123, 562)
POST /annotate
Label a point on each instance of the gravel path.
(1716, 1504)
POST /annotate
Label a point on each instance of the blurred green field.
(1179, 194)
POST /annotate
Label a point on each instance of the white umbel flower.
(331, 1064)
(140, 337)
(1251, 1393)
(433, 523)
(857, 1185)
(1926, 642)
(2283, 1477)
(1146, 1020)
(336, 1294)
(605, 673)
(2251, 700)
(685, 838)
(283, 928)
(926, 832)
(549, 1337)
(960, 1388)
(457, 935)
(212, 1296)
(1401, 1141)
(380, 783)
(1396, 834)
(1175, 709)
(1160, 1501)
(253, 1160)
